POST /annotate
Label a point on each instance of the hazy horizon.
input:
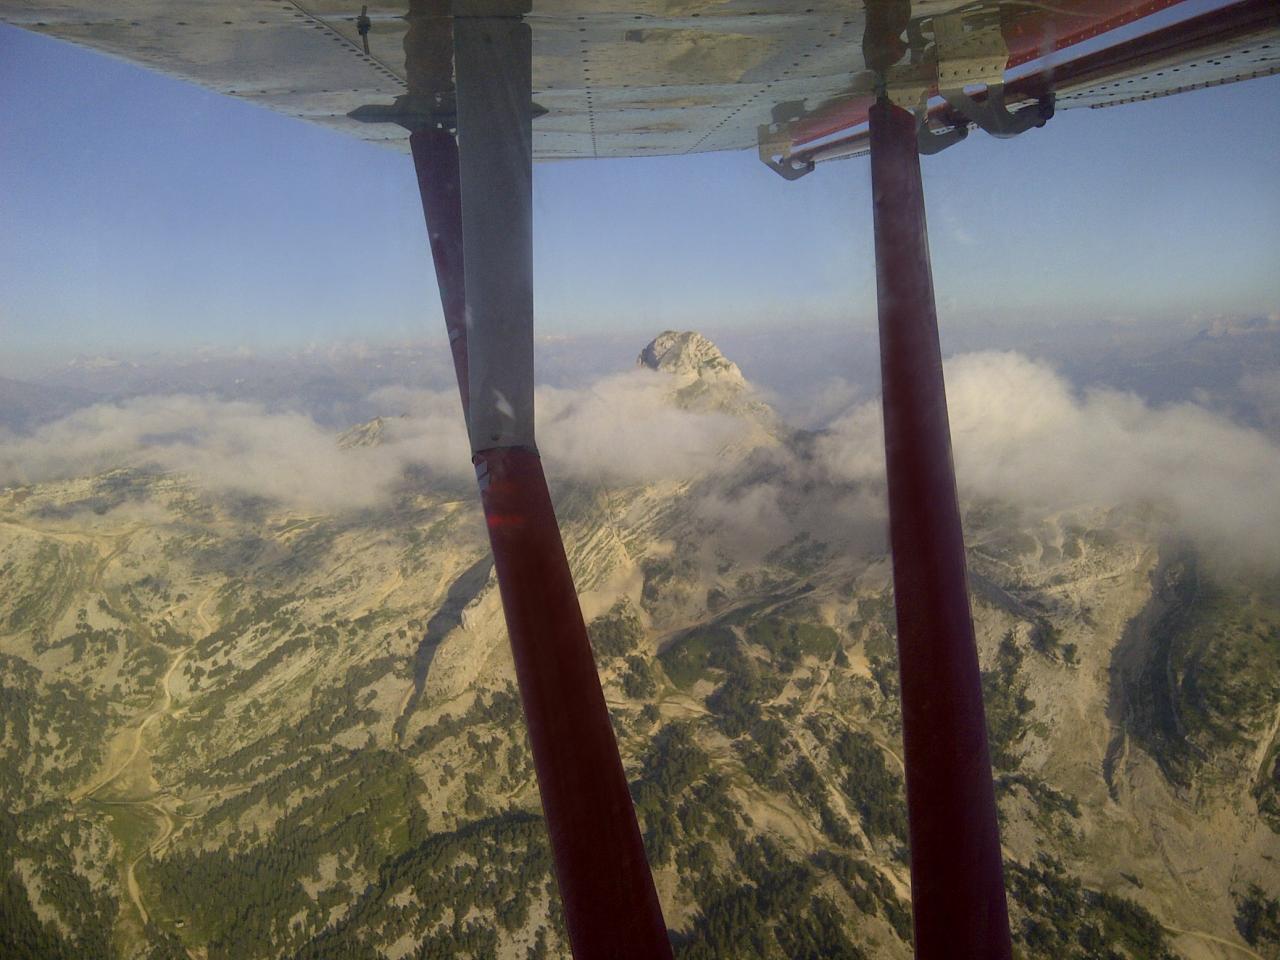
(1026, 428)
(173, 217)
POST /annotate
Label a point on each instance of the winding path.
(1201, 934)
(155, 805)
(163, 709)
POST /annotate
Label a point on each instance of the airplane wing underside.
(644, 77)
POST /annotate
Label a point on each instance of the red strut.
(611, 906)
(957, 879)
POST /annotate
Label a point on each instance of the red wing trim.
(1225, 24)
(1026, 35)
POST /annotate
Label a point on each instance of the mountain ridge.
(239, 728)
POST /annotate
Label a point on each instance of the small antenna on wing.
(363, 23)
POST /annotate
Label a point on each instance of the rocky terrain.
(233, 728)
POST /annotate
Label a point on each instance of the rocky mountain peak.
(689, 354)
(704, 380)
(369, 434)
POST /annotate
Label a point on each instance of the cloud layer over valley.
(619, 429)
(1022, 434)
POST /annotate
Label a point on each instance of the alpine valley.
(234, 725)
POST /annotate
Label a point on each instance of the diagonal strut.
(477, 198)
(957, 878)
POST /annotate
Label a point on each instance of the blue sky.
(140, 213)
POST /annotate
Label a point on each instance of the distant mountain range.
(25, 406)
(1233, 366)
(810, 373)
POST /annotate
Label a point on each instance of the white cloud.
(1021, 433)
(624, 428)
(228, 446)
(620, 429)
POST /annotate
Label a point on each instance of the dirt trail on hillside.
(1264, 747)
(1202, 935)
(151, 804)
(166, 819)
(202, 617)
(119, 537)
(67, 536)
(164, 708)
(162, 806)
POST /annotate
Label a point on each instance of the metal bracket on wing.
(774, 142)
(904, 82)
(932, 139)
(431, 103)
(994, 116)
(417, 111)
(977, 56)
(413, 111)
